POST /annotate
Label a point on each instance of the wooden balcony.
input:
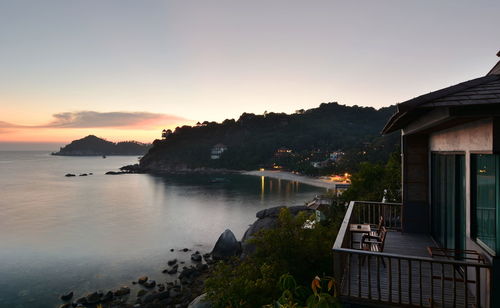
(404, 274)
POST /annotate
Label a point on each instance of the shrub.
(286, 249)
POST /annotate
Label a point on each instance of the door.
(448, 200)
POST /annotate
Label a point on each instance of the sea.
(99, 232)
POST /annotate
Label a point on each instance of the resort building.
(441, 246)
(283, 152)
(217, 151)
(335, 156)
(320, 164)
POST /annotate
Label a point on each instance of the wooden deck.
(403, 281)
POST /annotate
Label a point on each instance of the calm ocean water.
(81, 234)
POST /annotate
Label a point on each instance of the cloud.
(6, 127)
(94, 119)
(89, 119)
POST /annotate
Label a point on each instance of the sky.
(126, 69)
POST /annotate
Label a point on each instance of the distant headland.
(95, 146)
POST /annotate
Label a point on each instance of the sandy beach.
(283, 175)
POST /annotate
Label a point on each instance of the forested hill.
(92, 145)
(252, 141)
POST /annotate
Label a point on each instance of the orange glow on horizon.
(66, 135)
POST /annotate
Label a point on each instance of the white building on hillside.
(217, 151)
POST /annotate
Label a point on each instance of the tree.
(370, 182)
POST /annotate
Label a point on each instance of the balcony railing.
(405, 278)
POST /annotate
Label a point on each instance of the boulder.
(69, 174)
(142, 279)
(114, 172)
(270, 212)
(150, 284)
(81, 300)
(174, 292)
(172, 262)
(141, 293)
(67, 297)
(93, 298)
(122, 291)
(267, 219)
(107, 297)
(155, 296)
(200, 302)
(196, 257)
(226, 246)
(201, 267)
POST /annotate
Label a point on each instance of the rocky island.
(95, 146)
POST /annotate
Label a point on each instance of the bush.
(287, 249)
(370, 182)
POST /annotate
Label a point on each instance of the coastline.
(289, 176)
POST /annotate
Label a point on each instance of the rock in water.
(227, 246)
(93, 298)
(172, 262)
(67, 297)
(150, 284)
(196, 257)
(200, 302)
(107, 297)
(122, 291)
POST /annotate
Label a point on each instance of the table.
(359, 228)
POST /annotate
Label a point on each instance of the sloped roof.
(479, 91)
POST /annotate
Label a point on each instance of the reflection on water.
(102, 231)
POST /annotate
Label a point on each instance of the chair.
(374, 243)
(377, 228)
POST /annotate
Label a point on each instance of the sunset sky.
(125, 70)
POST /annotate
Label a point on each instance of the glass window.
(485, 187)
(448, 200)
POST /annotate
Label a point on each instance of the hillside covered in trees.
(253, 141)
(92, 145)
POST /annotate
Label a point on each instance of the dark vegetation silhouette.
(252, 141)
(92, 145)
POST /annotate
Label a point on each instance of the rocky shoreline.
(183, 285)
(136, 168)
(183, 282)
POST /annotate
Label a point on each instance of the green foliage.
(252, 140)
(292, 249)
(287, 249)
(369, 183)
(392, 177)
(241, 284)
(324, 294)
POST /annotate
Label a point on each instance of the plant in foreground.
(324, 294)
